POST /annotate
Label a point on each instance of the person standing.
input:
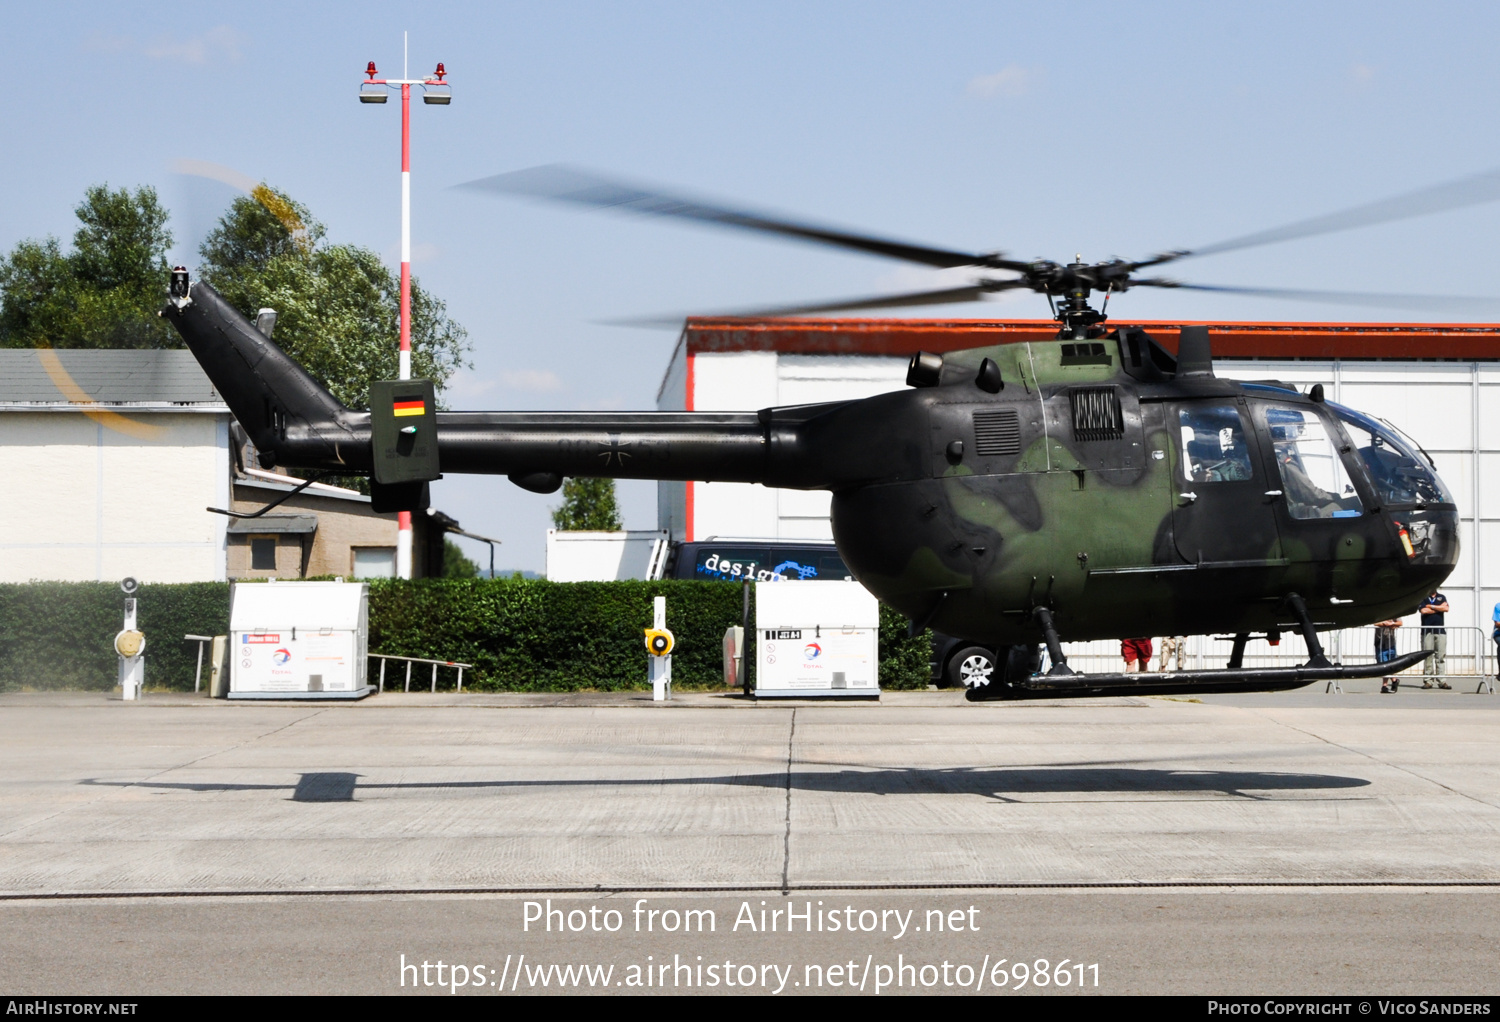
(1385, 650)
(1435, 638)
(1171, 646)
(1137, 655)
(1495, 634)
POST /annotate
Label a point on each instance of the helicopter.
(1095, 485)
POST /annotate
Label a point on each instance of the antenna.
(403, 55)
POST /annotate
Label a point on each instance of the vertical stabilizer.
(287, 414)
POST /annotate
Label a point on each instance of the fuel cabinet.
(298, 640)
(816, 639)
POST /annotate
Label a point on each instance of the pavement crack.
(786, 837)
(1376, 759)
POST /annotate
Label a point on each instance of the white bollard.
(660, 666)
(130, 644)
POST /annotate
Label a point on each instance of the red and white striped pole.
(403, 518)
(435, 91)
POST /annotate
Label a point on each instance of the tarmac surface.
(1296, 842)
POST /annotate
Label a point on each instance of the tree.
(337, 306)
(588, 506)
(102, 294)
(455, 563)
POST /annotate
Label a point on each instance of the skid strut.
(1315, 657)
(1237, 651)
(1055, 653)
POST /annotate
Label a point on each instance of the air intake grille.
(1096, 414)
(997, 432)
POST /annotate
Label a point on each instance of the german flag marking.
(413, 407)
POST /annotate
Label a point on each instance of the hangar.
(1438, 382)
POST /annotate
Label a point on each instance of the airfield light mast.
(435, 92)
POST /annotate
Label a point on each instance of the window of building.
(263, 553)
(374, 562)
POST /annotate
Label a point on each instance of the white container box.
(605, 556)
(299, 640)
(816, 640)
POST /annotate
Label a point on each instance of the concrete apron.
(486, 793)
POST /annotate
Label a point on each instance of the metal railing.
(1470, 652)
(200, 640)
(383, 657)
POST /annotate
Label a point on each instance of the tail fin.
(287, 414)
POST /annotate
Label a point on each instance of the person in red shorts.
(1137, 654)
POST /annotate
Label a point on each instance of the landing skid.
(1277, 679)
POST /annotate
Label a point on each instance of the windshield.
(1400, 475)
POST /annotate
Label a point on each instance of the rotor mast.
(1079, 319)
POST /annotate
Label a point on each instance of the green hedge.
(60, 635)
(520, 634)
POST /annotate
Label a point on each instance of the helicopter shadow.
(1001, 784)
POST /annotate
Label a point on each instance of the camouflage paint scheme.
(964, 533)
(1096, 530)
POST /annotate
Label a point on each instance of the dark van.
(717, 560)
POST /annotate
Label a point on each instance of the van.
(735, 560)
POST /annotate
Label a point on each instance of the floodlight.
(377, 95)
(433, 98)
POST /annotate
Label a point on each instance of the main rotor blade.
(563, 183)
(1378, 299)
(1468, 191)
(946, 296)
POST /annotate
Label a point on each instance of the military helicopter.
(1097, 485)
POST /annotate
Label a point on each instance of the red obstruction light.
(371, 70)
(440, 72)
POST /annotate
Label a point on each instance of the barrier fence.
(383, 657)
(1470, 651)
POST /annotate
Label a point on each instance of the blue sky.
(1038, 129)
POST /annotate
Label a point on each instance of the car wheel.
(971, 667)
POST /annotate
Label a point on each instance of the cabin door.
(1222, 514)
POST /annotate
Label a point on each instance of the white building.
(110, 459)
(1440, 383)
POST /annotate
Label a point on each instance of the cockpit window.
(1313, 481)
(1399, 474)
(1213, 444)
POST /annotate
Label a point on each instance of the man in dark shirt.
(1435, 638)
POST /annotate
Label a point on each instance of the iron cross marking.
(616, 449)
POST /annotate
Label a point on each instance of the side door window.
(1213, 444)
(1314, 482)
(1218, 477)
